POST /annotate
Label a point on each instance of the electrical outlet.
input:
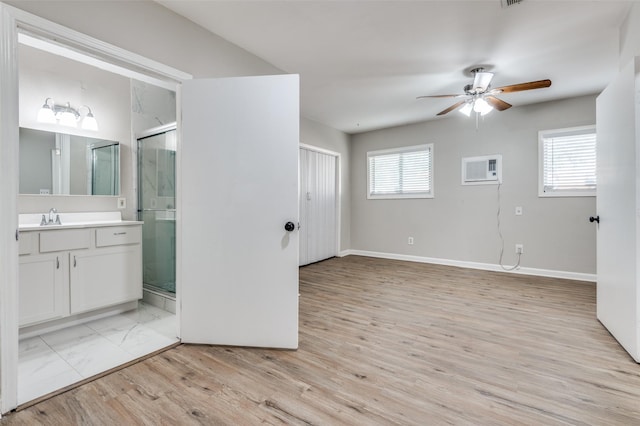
(519, 248)
(122, 203)
(410, 241)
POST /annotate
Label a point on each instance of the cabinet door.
(104, 277)
(43, 291)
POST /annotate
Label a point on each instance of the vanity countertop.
(31, 221)
(70, 225)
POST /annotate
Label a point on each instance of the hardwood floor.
(387, 342)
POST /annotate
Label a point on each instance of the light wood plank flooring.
(387, 342)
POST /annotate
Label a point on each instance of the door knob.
(289, 226)
(594, 219)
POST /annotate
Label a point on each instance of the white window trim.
(568, 193)
(430, 194)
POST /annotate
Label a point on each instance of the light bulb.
(90, 123)
(45, 114)
(466, 109)
(481, 106)
(486, 111)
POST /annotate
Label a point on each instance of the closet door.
(302, 197)
(318, 206)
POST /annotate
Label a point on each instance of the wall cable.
(517, 265)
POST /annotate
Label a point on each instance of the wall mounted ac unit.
(485, 170)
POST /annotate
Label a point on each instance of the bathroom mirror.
(63, 164)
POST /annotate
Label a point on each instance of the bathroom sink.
(31, 221)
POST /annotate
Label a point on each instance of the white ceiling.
(362, 63)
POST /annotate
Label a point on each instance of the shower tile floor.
(55, 360)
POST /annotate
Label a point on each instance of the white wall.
(630, 36)
(146, 28)
(44, 75)
(151, 106)
(460, 222)
(151, 30)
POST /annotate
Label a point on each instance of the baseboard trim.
(578, 276)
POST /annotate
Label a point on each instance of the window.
(567, 161)
(401, 173)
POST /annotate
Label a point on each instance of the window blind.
(404, 173)
(569, 161)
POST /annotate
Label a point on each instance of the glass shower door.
(157, 208)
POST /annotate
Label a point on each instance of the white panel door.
(318, 206)
(617, 287)
(238, 178)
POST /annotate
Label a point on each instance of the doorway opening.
(319, 204)
(72, 345)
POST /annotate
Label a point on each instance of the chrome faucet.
(52, 211)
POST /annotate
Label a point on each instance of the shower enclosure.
(157, 207)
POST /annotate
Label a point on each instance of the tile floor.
(54, 360)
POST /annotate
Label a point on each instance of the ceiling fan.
(481, 98)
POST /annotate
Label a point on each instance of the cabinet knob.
(289, 226)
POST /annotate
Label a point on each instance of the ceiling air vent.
(507, 3)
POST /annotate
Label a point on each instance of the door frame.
(14, 23)
(338, 157)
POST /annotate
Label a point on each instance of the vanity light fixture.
(66, 115)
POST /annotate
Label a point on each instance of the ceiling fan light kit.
(481, 98)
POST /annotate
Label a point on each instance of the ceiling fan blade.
(439, 96)
(498, 104)
(451, 108)
(481, 81)
(540, 84)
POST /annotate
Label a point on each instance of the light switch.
(122, 203)
(519, 211)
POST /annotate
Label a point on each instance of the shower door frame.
(155, 131)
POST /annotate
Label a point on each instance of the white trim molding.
(578, 276)
(9, 212)
(67, 40)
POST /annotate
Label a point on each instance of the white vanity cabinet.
(108, 274)
(65, 272)
(44, 293)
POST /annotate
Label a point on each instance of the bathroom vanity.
(88, 262)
